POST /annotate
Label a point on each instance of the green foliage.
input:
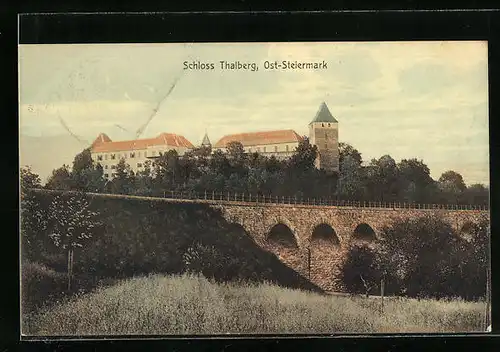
(236, 171)
(360, 272)
(40, 285)
(29, 179)
(451, 186)
(351, 182)
(421, 257)
(143, 237)
(304, 157)
(415, 182)
(60, 179)
(124, 180)
(426, 257)
(71, 221)
(347, 150)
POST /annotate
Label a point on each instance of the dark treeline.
(421, 257)
(382, 180)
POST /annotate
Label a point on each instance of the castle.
(323, 133)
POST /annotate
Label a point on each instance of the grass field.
(189, 304)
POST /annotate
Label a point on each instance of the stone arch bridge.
(313, 239)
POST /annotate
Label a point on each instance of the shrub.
(40, 286)
(428, 258)
(360, 272)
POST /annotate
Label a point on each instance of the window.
(99, 157)
(264, 149)
(139, 154)
(287, 148)
(132, 155)
(113, 167)
(326, 134)
(139, 165)
(106, 167)
(106, 157)
(328, 124)
(113, 156)
(145, 154)
(276, 148)
(322, 125)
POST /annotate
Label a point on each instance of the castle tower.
(324, 134)
(206, 142)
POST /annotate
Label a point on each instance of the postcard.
(175, 189)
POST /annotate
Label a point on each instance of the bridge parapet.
(248, 199)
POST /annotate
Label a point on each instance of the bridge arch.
(324, 232)
(364, 232)
(281, 234)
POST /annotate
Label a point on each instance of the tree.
(144, 180)
(360, 272)
(453, 180)
(350, 182)
(452, 185)
(33, 224)
(86, 174)
(418, 252)
(72, 223)
(167, 170)
(304, 157)
(60, 179)
(382, 179)
(476, 194)
(29, 179)
(346, 150)
(219, 164)
(124, 180)
(466, 276)
(414, 181)
(235, 150)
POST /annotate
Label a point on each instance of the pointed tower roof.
(324, 115)
(101, 138)
(206, 141)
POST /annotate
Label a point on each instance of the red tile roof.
(168, 139)
(260, 138)
(101, 138)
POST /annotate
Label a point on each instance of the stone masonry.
(258, 221)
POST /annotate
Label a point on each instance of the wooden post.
(70, 267)
(382, 294)
(309, 261)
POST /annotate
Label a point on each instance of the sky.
(424, 100)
